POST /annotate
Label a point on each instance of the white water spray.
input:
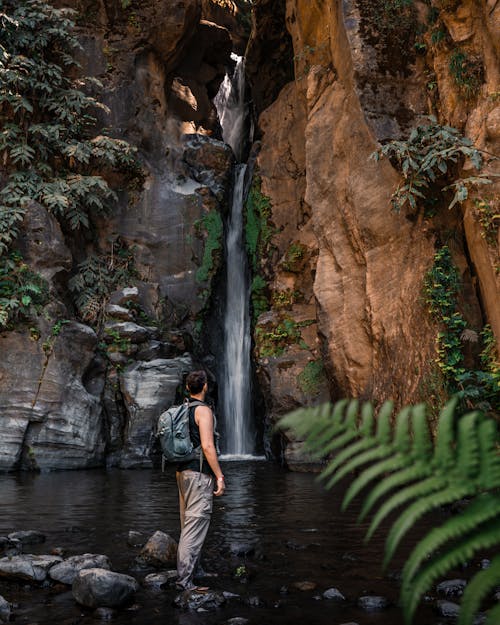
(236, 383)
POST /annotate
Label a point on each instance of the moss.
(258, 227)
(258, 296)
(294, 257)
(211, 225)
(312, 378)
(467, 72)
(273, 339)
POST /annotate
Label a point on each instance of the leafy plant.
(272, 339)
(210, 227)
(428, 161)
(401, 467)
(294, 256)
(312, 377)
(487, 212)
(47, 141)
(467, 73)
(22, 292)
(258, 227)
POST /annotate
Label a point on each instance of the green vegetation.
(487, 213)
(258, 297)
(429, 162)
(312, 378)
(475, 388)
(295, 254)
(97, 276)
(272, 340)
(284, 300)
(467, 73)
(402, 469)
(211, 227)
(23, 293)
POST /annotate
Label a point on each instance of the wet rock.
(58, 551)
(485, 563)
(160, 580)
(230, 595)
(28, 537)
(333, 593)
(237, 620)
(123, 296)
(135, 539)
(119, 312)
(448, 609)
(452, 587)
(5, 609)
(125, 330)
(66, 571)
(241, 549)
(192, 600)
(254, 601)
(160, 549)
(104, 614)
(305, 585)
(291, 544)
(95, 588)
(9, 547)
(28, 567)
(372, 603)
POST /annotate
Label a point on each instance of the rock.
(242, 549)
(254, 601)
(135, 539)
(28, 537)
(104, 614)
(485, 563)
(96, 587)
(116, 330)
(305, 585)
(123, 296)
(5, 610)
(237, 620)
(448, 609)
(119, 312)
(28, 567)
(160, 549)
(148, 388)
(66, 571)
(372, 603)
(192, 600)
(452, 587)
(160, 580)
(333, 593)
(9, 547)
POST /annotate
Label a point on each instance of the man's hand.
(221, 487)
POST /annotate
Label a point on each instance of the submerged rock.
(448, 609)
(66, 571)
(135, 539)
(28, 537)
(160, 580)
(28, 567)
(452, 587)
(95, 588)
(160, 549)
(371, 603)
(305, 585)
(4, 610)
(333, 593)
(193, 600)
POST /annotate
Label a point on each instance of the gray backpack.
(173, 432)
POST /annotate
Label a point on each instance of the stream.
(292, 528)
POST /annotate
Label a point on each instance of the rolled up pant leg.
(196, 497)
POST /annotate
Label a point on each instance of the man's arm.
(205, 421)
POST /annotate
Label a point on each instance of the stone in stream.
(242, 549)
(135, 539)
(305, 585)
(452, 587)
(100, 588)
(193, 600)
(448, 609)
(333, 593)
(28, 537)
(27, 567)
(66, 571)
(4, 610)
(160, 580)
(9, 547)
(371, 603)
(160, 549)
(104, 614)
(237, 620)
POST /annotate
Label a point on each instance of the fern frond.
(489, 467)
(468, 459)
(369, 455)
(437, 567)
(444, 453)
(420, 489)
(477, 589)
(493, 617)
(417, 510)
(483, 508)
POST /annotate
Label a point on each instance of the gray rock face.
(66, 571)
(48, 418)
(27, 567)
(160, 549)
(95, 588)
(125, 330)
(148, 388)
(192, 600)
(4, 610)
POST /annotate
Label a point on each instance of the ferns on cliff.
(48, 151)
(403, 467)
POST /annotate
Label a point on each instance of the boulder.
(160, 549)
(95, 588)
(9, 547)
(28, 537)
(372, 603)
(119, 312)
(4, 610)
(27, 567)
(333, 593)
(135, 539)
(192, 600)
(127, 330)
(66, 571)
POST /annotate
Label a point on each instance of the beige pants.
(195, 504)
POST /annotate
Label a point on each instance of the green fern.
(417, 474)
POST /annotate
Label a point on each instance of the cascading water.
(236, 382)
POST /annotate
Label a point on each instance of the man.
(196, 489)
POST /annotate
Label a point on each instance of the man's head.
(196, 381)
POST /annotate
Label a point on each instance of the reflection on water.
(292, 527)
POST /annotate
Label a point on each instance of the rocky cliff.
(338, 277)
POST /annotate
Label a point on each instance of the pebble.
(448, 609)
(452, 587)
(371, 603)
(5, 608)
(333, 593)
(305, 585)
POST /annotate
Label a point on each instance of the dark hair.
(195, 381)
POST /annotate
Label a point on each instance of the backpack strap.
(194, 404)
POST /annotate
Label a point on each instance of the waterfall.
(236, 380)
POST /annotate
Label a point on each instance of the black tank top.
(194, 433)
